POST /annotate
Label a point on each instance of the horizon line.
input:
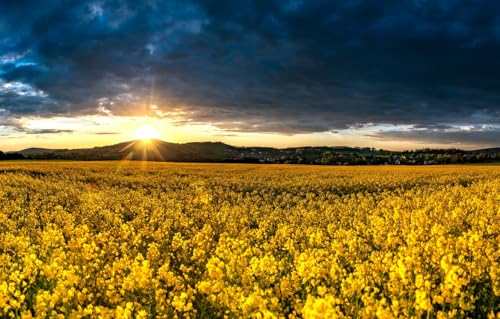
(257, 146)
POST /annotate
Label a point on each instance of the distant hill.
(487, 150)
(36, 150)
(154, 150)
(157, 150)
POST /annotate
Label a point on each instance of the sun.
(146, 132)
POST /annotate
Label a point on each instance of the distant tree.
(326, 158)
(11, 156)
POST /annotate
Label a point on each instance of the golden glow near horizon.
(146, 132)
(102, 130)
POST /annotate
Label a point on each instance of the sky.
(387, 74)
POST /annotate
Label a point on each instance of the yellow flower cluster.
(157, 240)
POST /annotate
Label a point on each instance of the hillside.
(157, 150)
(154, 150)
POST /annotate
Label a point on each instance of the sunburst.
(146, 132)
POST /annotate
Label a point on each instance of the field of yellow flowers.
(158, 240)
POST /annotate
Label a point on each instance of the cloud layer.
(257, 66)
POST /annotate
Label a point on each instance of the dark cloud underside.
(465, 137)
(265, 66)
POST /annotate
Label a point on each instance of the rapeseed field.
(157, 240)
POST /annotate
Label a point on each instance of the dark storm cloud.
(265, 66)
(465, 137)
